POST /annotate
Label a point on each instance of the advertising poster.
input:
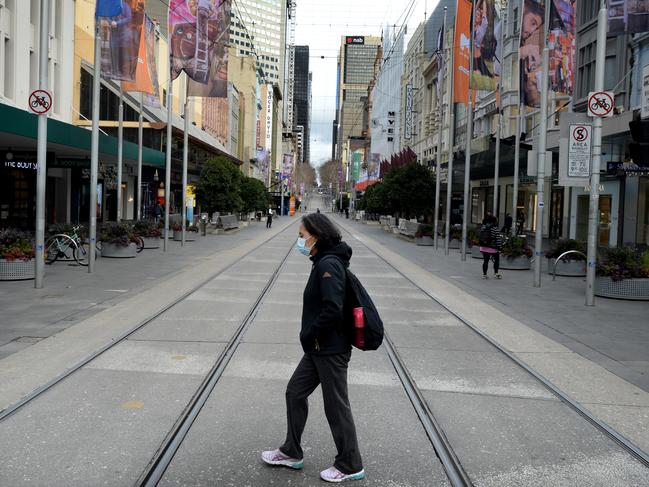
(628, 16)
(531, 46)
(462, 45)
(486, 31)
(146, 73)
(199, 31)
(644, 107)
(120, 36)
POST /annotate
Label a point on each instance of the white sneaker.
(332, 474)
(277, 458)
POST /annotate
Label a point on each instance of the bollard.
(204, 225)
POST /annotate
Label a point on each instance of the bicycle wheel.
(60, 247)
(82, 253)
(139, 243)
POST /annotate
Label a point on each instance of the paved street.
(103, 424)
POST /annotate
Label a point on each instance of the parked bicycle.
(68, 247)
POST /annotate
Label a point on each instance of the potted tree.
(570, 265)
(118, 240)
(150, 233)
(424, 235)
(516, 254)
(623, 273)
(17, 254)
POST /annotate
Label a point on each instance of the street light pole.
(168, 164)
(503, 24)
(517, 154)
(541, 154)
(120, 150)
(94, 153)
(140, 133)
(467, 151)
(185, 156)
(451, 140)
(593, 209)
(41, 171)
(440, 124)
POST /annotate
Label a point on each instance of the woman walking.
(490, 243)
(327, 351)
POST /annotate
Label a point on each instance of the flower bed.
(17, 254)
(118, 240)
(572, 263)
(191, 232)
(623, 273)
(515, 254)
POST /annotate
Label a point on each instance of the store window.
(642, 236)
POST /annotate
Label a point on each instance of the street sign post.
(601, 104)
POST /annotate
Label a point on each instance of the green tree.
(409, 191)
(375, 199)
(254, 195)
(219, 188)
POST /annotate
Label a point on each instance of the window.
(8, 68)
(587, 11)
(515, 27)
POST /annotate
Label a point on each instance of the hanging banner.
(562, 44)
(407, 123)
(357, 161)
(268, 118)
(146, 73)
(120, 36)
(462, 45)
(486, 29)
(531, 46)
(628, 17)
(199, 32)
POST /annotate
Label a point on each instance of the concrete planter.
(113, 251)
(151, 242)
(521, 263)
(568, 268)
(454, 244)
(631, 289)
(189, 236)
(16, 270)
(425, 241)
(475, 252)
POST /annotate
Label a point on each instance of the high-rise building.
(301, 98)
(356, 69)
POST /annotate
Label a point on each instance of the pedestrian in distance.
(269, 218)
(157, 212)
(327, 351)
(317, 210)
(347, 213)
(507, 227)
(490, 244)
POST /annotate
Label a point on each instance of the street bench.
(408, 228)
(228, 222)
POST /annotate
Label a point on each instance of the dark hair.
(323, 229)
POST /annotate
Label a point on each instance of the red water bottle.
(359, 328)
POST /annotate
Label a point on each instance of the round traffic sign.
(40, 101)
(580, 133)
(600, 104)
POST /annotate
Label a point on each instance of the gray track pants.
(329, 371)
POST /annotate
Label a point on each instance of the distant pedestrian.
(507, 227)
(327, 351)
(490, 243)
(347, 213)
(520, 220)
(317, 210)
(269, 218)
(157, 212)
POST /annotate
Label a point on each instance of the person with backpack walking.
(269, 218)
(327, 350)
(490, 243)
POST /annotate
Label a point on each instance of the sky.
(320, 25)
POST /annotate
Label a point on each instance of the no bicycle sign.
(601, 103)
(40, 101)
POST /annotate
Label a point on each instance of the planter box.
(521, 263)
(568, 268)
(189, 236)
(16, 270)
(151, 242)
(454, 244)
(425, 241)
(634, 289)
(113, 251)
(475, 252)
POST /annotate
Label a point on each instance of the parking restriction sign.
(579, 150)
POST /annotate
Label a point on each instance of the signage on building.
(644, 108)
(360, 40)
(391, 125)
(580, 136)
(407, 125)
(269, 118)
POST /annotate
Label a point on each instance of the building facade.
(302, 98)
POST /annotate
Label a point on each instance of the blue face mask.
(302, 247)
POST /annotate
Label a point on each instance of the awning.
(19, 129)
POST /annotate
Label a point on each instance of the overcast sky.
(320, 25)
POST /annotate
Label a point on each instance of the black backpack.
(486, 238)
(356, 296)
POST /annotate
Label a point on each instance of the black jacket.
(322, 330)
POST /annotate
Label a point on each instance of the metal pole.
(281, 204)
(467, 151)
(140, 133)
(94, 153)
(185, 156)
(451, 138)
(41, 171)
(517, 154)
(168, 164)
(593, 209)
(440, 107)
(120, 150)
(503, 23)
(540, 158)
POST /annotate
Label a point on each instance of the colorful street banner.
(462, 45)
(486, 29)
(287, 167)
(146, 73)
(357, 161)
(531, 47)
(120, 36)
(199, 32)
(628, 17)
(561, 45)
